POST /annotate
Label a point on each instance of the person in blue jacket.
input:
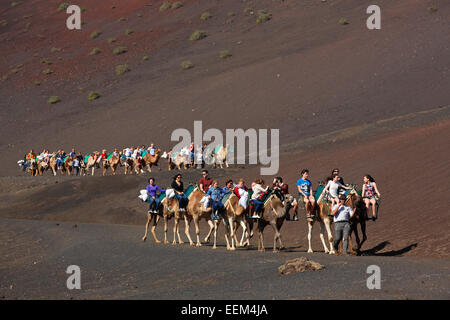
(216, 194)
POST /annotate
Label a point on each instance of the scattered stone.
(299, 265)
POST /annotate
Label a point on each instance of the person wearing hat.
(341, 218)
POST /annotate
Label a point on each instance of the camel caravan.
(236, 206)
(133, 160)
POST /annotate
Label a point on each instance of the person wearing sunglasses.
(178, 187)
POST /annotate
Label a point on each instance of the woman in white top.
(333, 189)
(258, 190)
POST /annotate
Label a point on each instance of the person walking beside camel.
(341, 217)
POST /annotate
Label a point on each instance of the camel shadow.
(374, 251)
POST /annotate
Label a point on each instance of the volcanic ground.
(366, 101)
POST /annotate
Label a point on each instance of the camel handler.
(341, 218)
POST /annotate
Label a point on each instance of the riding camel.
(112, 163)
(53, 164)
(234, 215)
(128, 165)
(91, 162)
(177, 162)
(196, 211)
(42, 166)
(220, 157)
(356, 202)
(67, 166)
(150, 160)
(321, 212)
(274, 214)
(139, 165)
(32, 167)
(169, 208)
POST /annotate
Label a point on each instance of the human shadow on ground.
(375, 250)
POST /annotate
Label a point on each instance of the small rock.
(299, 265)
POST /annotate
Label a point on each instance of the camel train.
(235, 215)
(87, 165)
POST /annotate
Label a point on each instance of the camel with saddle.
(152, 160)
(113, 162)
(91, 162)
(274, 215)
(178, 161)
(234, 215)
(67, 166)
(168, 209)
(42, 166)
(356, 202)
(220, 157)
(320, 213)
(196, 212)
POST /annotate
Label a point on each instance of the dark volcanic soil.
(365, 101)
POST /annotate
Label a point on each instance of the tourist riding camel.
(153, 197)
(332, 189)
(304, 187)
(369, 193)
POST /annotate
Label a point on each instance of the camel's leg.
(232, 233)
(310, 227)
(165, 230)
(354, 229)
(186, 231)
(227, 233)
(330, 235)
(211, 228)
(322, 238)
(93, 167)
(276, 236)
(155, 223)
(197, 231)
(261, 241)
(363, 232)
(149, 218)
(178, 235)
(216, 226)
(175, 229)
(226, 163)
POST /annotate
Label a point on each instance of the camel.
(196, 211)
(41, 167)
(167, 209)
(177, 162)
(274, 214)
(150, 160)
(356, 202)
(233, 217)
(53, 164)
(112, 163)
(91, 163)
(33, 167)
(128, 165)
(67, 166)
(321, 213)
(139, 165)
(220, 157)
